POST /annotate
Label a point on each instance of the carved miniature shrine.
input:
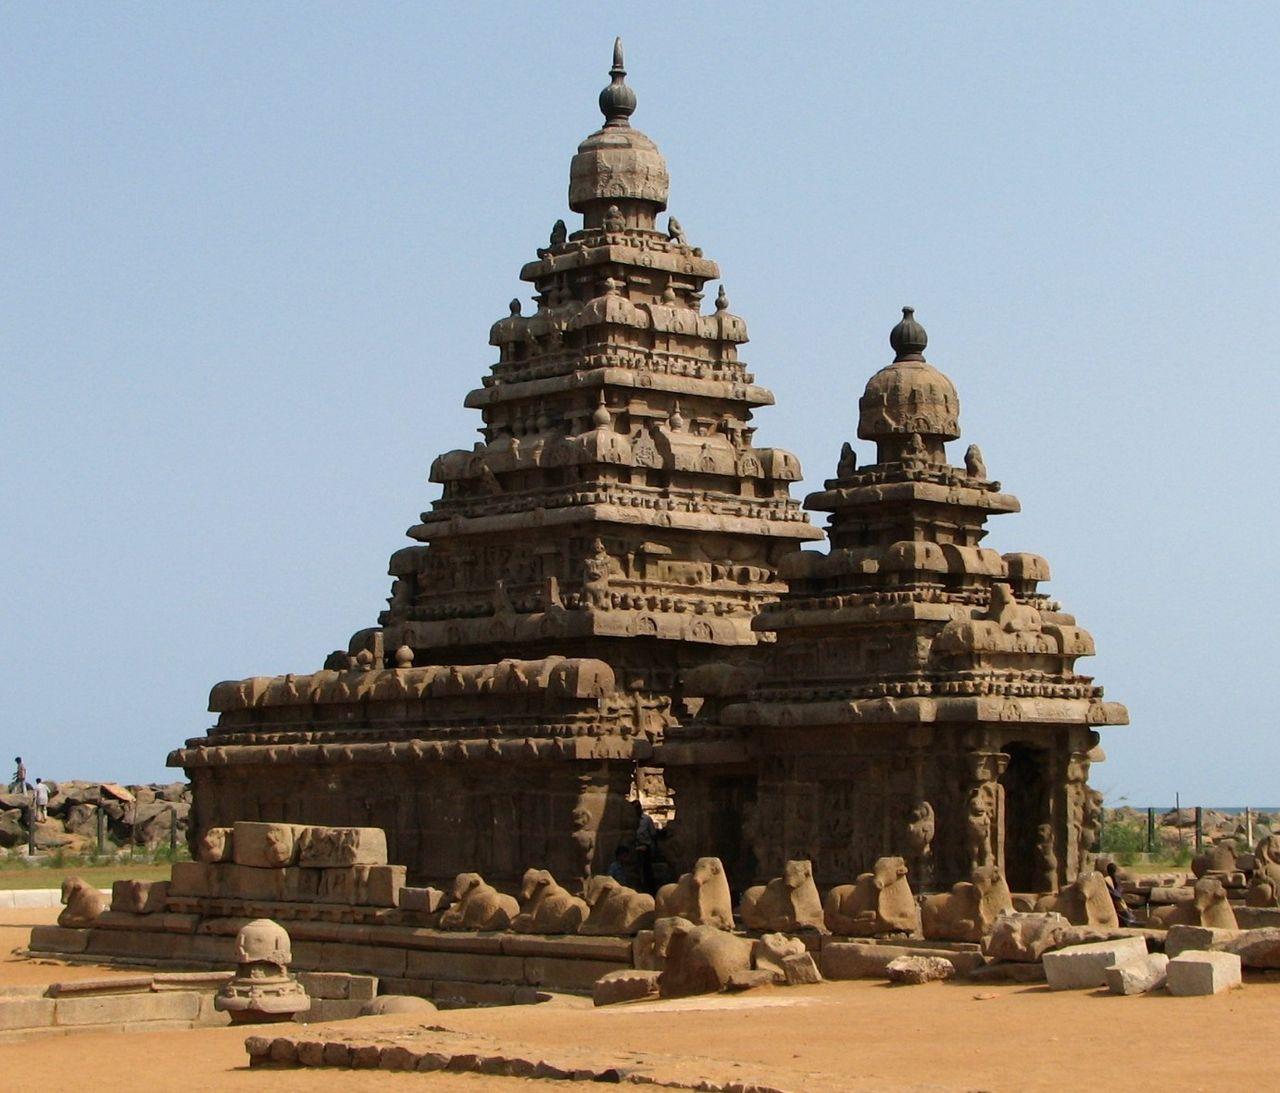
(921, 698)
(600, 585)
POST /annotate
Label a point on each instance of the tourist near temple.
(614, 578)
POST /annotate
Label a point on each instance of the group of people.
(39, 792)
(640, 864)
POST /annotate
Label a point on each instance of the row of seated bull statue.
(879, 903)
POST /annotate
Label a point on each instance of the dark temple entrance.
(1026, 819)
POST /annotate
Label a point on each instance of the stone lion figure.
(878, 903)
(478, 906)
(84, 903)
(546, 908)
(615, 909)
(787, 902)
(701, 896)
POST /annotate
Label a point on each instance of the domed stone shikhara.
(921, 698)
(610, 585)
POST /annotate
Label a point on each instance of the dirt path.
(850, 1036)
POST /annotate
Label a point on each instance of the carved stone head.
(535, 879)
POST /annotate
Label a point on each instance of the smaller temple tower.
(921, 698)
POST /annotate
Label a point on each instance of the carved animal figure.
(84, 903)
(879, 902)
(848, 463)
(787, 902)
(1208, 907)
(1084, 902)
(1217, 859)
(1264, 885)
(701, 896)
(615, 908)
(478, 906)
(698, 959)
(974, 465)
(559, 233)
(970, 909)
(675, 232)
(547, 908)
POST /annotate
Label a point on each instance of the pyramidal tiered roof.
(617, 492)
(908, 617)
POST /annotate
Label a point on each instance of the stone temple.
(613, 579)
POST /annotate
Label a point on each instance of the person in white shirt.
(42, 801)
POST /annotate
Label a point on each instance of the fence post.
(173, 831)
(1199, 828)
(31, 829)
(1248, 827)
(1151, 830)
(102, 829)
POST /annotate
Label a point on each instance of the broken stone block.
(801, 970)
(855, 959)
(333, 847)
(771, 951)
(1138, 976)
(215, 845)
(1079, 967)
(629, 985)
(1199, 973)
(1026, 937)
(1184, 939)
(919, 969)
(191, 878)
(1255, 948)
(426, 900)
(380, 885)
(264, 845)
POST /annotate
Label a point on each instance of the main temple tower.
(615, 529)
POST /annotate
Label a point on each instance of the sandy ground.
(856, 1036)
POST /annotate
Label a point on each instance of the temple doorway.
(1026, 811)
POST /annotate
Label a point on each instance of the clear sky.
(251, 253)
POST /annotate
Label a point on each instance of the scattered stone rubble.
(141, 815)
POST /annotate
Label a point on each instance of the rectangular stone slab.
(1080, 967)
(264, 845)
(329, 847)
(1200, 973)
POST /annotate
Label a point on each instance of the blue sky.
(252, 253)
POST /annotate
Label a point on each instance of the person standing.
(18, 784)
(42, 801)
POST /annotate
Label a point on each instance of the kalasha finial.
(722, 299)
(617, 101)
(908, 338)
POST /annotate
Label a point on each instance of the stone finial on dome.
(909, 398)
(908, 339)
(618, 165)
(617, 101)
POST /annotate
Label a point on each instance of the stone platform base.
(450, 968)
